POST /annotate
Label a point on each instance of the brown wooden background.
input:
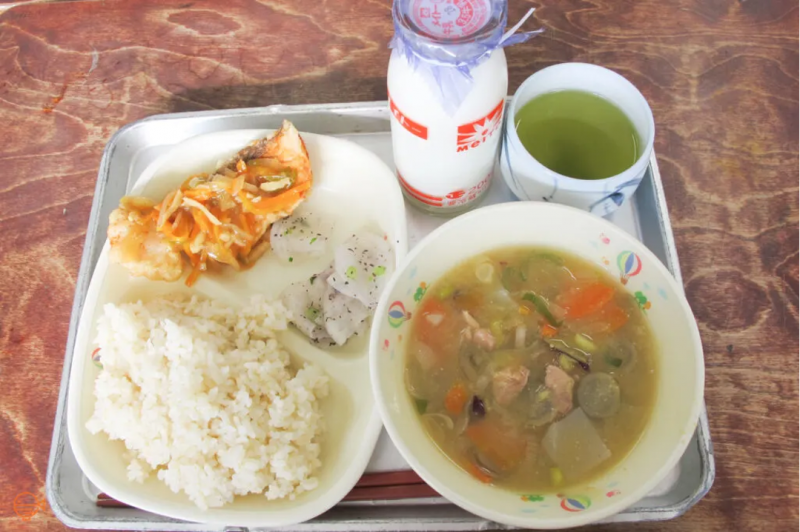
(722, 78)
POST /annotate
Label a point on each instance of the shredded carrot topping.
(222, 216)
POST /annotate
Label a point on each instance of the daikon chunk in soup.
(531, 369)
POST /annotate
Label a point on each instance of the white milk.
(447, 84)
(445, 162)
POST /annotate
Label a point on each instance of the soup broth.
(530, 368)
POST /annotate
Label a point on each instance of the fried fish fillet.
(222, 217)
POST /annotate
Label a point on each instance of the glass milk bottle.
(447, 84)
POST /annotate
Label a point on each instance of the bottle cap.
(445, 39)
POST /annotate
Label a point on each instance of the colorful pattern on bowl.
(398, 314)
(569, 502)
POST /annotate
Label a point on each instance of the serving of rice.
(203, 394)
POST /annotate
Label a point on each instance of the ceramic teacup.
(528, 179)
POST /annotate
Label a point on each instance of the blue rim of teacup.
(613, 185)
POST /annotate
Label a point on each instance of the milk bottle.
(447, 84)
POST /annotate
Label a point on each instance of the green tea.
(578, 134)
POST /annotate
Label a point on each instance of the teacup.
(528, 179)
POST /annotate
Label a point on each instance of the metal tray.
(136, 145)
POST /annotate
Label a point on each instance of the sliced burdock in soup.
(620, 356)
(598, 395)
(542, 410)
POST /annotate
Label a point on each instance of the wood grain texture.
(721, 76)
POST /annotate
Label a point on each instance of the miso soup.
(530, 368)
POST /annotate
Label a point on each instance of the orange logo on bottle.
(415, 128)
(453, 199)
(476, 133)
(27, 505)
(435, 201)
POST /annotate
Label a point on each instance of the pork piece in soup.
(532, 369)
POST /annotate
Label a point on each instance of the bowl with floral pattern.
(679, 364)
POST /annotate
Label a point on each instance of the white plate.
(350, 184)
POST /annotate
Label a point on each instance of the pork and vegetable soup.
(532, 369)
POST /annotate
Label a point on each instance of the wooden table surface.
(722, 79)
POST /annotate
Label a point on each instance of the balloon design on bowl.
(629, 264)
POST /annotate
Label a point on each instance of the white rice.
(203, 394)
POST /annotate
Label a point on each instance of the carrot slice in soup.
(547, 330)
(477, 473)
(581, 302)
(613, 317)
(436, 328)
(432, 305)
(456, 398)
(497, 442)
